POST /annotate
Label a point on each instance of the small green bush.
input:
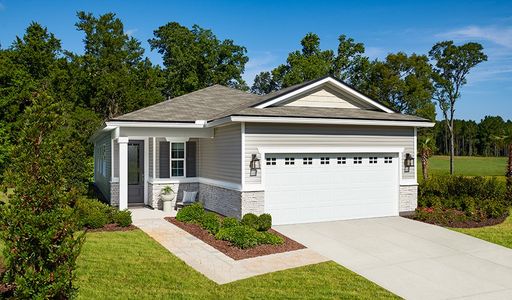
(494, 209)
(240, 236)
(264, 222)
(191, 214)
(269, 238)
(250, 220)
(123, 218)
(92, 213)
(230, 222)
(211, 222)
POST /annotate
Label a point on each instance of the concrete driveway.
(412, 259)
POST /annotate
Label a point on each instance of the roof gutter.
(297, 120)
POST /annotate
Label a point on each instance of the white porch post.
(123, 172)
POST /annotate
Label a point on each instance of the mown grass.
(500, 234)
(131, 265)
(467, 166)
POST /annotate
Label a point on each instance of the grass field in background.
(467, 166)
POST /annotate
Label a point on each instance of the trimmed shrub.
(250, 220)
(122, 218)
(264, 222)
(191, 214)
(211, 222)
(92, 213)
(494, 209)
(240, 236)
(269, 238)
(230, 222)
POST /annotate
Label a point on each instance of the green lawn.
(500, 234)
(468, 166)
(131, 265)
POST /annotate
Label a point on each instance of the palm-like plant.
(427, 147)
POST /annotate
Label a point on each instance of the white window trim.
(178, 159)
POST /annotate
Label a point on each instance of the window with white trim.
(307, 161)
(289, 161)
(271, 161)
(342, 160)
(373, 160)
(388, 160)
(358, 160)
(177, 159)
(324, 160)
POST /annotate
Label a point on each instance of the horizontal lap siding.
(220, 157)
(292, 135)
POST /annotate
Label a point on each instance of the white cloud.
(375, 52)
(258, 62)
(130, 32)
(498, 35)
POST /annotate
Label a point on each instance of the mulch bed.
(235, 252)
(464, 224)
(113, 227)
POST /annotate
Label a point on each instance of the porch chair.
(188, 198)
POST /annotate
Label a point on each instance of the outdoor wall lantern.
(254, 165)
(408, 162)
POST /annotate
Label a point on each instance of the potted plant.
(167, 195)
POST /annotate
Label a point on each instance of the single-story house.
(316, 151)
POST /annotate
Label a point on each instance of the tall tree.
(195, 58)
(311, 62)
(117, 78)
(452, 64)
(404, 83)
(38, 224)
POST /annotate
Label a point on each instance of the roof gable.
(325, 92)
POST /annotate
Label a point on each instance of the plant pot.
(167, 197)
(167, 206)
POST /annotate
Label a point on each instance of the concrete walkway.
(412, 259)
(209, 261)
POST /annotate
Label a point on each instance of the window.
(358, 160)
(324, 160)
(177, 159)
(307, 161)
(271, 161)
(388, 159)
(342, 160)
(289, 160)
(373, 160)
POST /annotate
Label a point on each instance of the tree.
(426, 147)
(311, 63)
(404, 83)
(38, 225)
(451, 66)
(195, 58)
(115, 76)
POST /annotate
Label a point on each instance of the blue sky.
(272, 29)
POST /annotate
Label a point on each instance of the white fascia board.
(255, 119)
(320, 82)
(154, 124)
(268, 150)
(99, 132)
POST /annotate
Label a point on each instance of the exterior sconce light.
(408, 162)
(254, 165)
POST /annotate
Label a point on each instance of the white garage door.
(301, 188)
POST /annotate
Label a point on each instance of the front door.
(136, 172)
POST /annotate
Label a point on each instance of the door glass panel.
(133, 164)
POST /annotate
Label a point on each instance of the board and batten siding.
(327, 97)
(102, 164)
(220, 157)
(297, 135)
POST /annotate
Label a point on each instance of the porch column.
(123, 172)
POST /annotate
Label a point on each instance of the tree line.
(52, 100)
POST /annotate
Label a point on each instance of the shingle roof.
(325, 112)
(204, 104)
(218, 101)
